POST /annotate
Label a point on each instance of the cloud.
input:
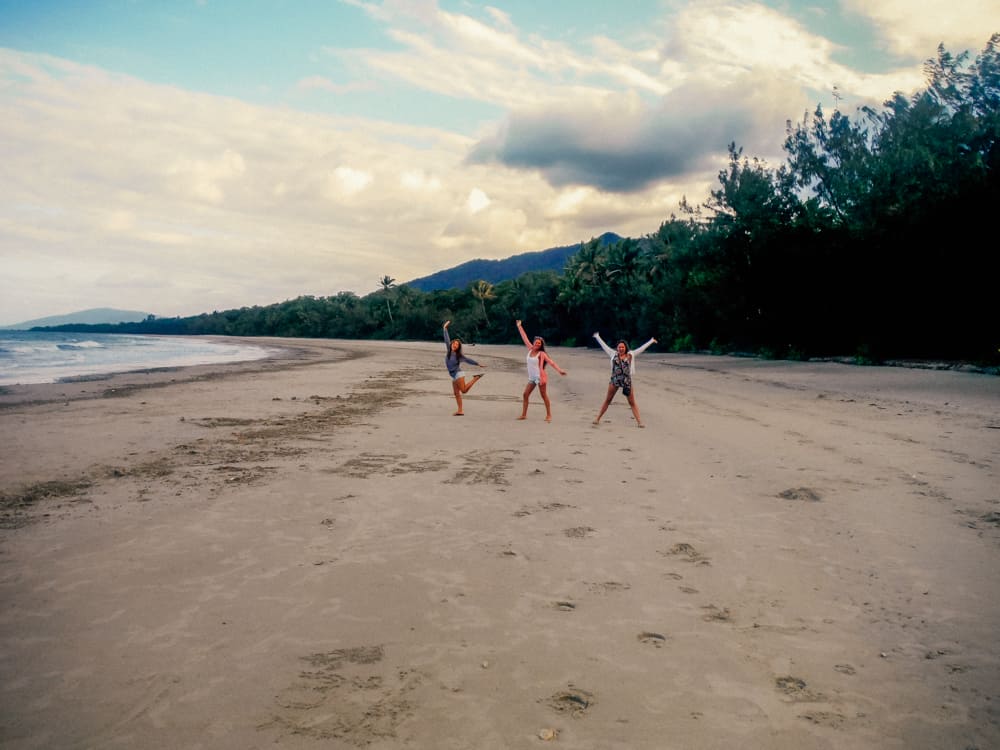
(477, 201)
(321, 83)
(916, 31)
(207, 202)
(623, 117)
(625, 144)
(201, 202)
(727, 72)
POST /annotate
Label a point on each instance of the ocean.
(41, 357)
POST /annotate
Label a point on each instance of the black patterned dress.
(621, 373)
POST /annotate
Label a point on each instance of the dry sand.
(312, 552)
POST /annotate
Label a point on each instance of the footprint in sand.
(346, 695)
(824, 718)
(653, 639)
(687, 553)
(801, 493)
(608, 587)
(714, 614)
(796, 689)
(572, 701)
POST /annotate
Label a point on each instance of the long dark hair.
(457, 352)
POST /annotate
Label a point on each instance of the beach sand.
(310, 551)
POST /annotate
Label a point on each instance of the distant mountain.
(94, 316)
(495, 271)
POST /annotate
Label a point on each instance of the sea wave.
(36, 357)
(81, 345)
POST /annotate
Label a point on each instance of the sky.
(185, 156)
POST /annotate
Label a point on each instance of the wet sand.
(310, 551)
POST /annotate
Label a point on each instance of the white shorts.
(459, 374)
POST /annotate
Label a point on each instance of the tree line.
(873, 239)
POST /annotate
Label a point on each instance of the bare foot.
(640, 424)
(548, 418)
(522, 417)
(458, 414)
(597, 421)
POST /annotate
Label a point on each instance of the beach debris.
(565, 606)
(548, 734)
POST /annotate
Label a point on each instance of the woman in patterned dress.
(622, 369)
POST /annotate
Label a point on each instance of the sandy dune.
(311, 552)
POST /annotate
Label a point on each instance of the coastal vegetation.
(874, 240)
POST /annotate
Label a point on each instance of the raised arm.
(645, 346)
(607, 349)
(524, 336)
(447, 338)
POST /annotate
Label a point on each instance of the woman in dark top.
(453, 360)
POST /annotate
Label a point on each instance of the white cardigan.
(613, 352)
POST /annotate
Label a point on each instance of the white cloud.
(477, 201)
(347, 181)
(206, 179)
(321, 83)
(915, 30)
(418, 180)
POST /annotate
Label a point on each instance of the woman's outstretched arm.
(645, 346)
(557, 368)
(607, 349)
(524, 336)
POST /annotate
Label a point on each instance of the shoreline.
(312, 550)
(287, 352)
(297, 351)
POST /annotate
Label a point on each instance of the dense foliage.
(874, 239)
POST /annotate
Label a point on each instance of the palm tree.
(482, 291)
(387, 283)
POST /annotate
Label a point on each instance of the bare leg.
(635, 408)
(467, 386)
(456, 386)
(527, 392)
(544, 390)
(612, 389)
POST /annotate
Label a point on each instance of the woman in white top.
(622, 369)
(536, 360)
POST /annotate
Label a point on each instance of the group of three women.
(622, 369)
